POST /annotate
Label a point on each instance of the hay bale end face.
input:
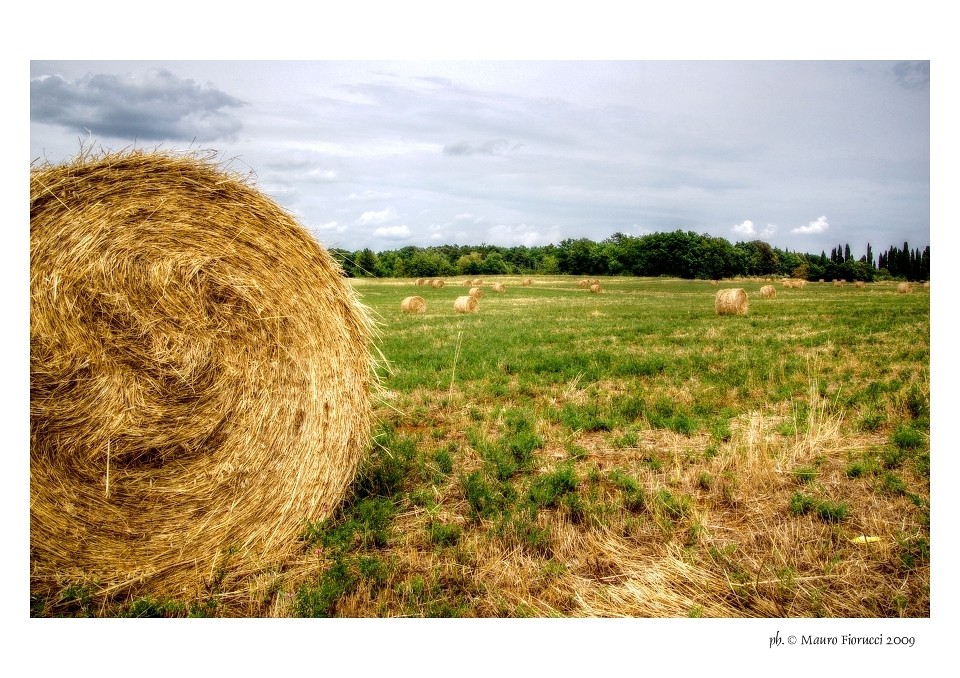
(466, 304)
(476, 292)
(732, 302)
(200, 377)
(499, 287)
(768, 291)
(595, 288)
(413, 305)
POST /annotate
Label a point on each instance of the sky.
(805, 155)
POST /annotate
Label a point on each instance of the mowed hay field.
(628, 453)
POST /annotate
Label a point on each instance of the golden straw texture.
(466, 304)
(200, 377)
(413, 305)
(732, 302)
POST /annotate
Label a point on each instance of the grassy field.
(631, 453)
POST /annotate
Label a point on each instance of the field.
(630, 453)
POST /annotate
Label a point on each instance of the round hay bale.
(200, 377)
(499, 287)
(768, 291)
(476, 292)
(583, 283)
(438, 284)
(595, 288)
(904, 288)
(466, 304)
(420, 282)
(732, 301)
(527, 282)
(858, 284)
(476, 282)
(413, 305)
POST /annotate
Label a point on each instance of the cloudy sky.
(804, 155)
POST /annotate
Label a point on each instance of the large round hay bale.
(476, 292)
(413, 305)
(200, 378)
(904, 288)
(595, 288)
(768, 291)
(466, 304)
(527, 282)
(499, 287)
(438, 284)
(732, 301)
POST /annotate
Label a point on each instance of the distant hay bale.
(714, 282)
(476, 282)
(822, 281)
(200, 377)
(583, 283)
(595, 288)
(413, 305)
(467, 304)
(858, 284)
(787, 284)
(438, 284)
(420, 282)
(499, 287)
(926, 284)
(839, 283)
(476, 292)
(904, 288)
(768, 291)
(732, 301)
(800, 283)
(527, 282)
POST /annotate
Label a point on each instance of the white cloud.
(397, 232)
(818, 226)
(748, 229)
(378, 217)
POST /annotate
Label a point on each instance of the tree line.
(674, 254)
